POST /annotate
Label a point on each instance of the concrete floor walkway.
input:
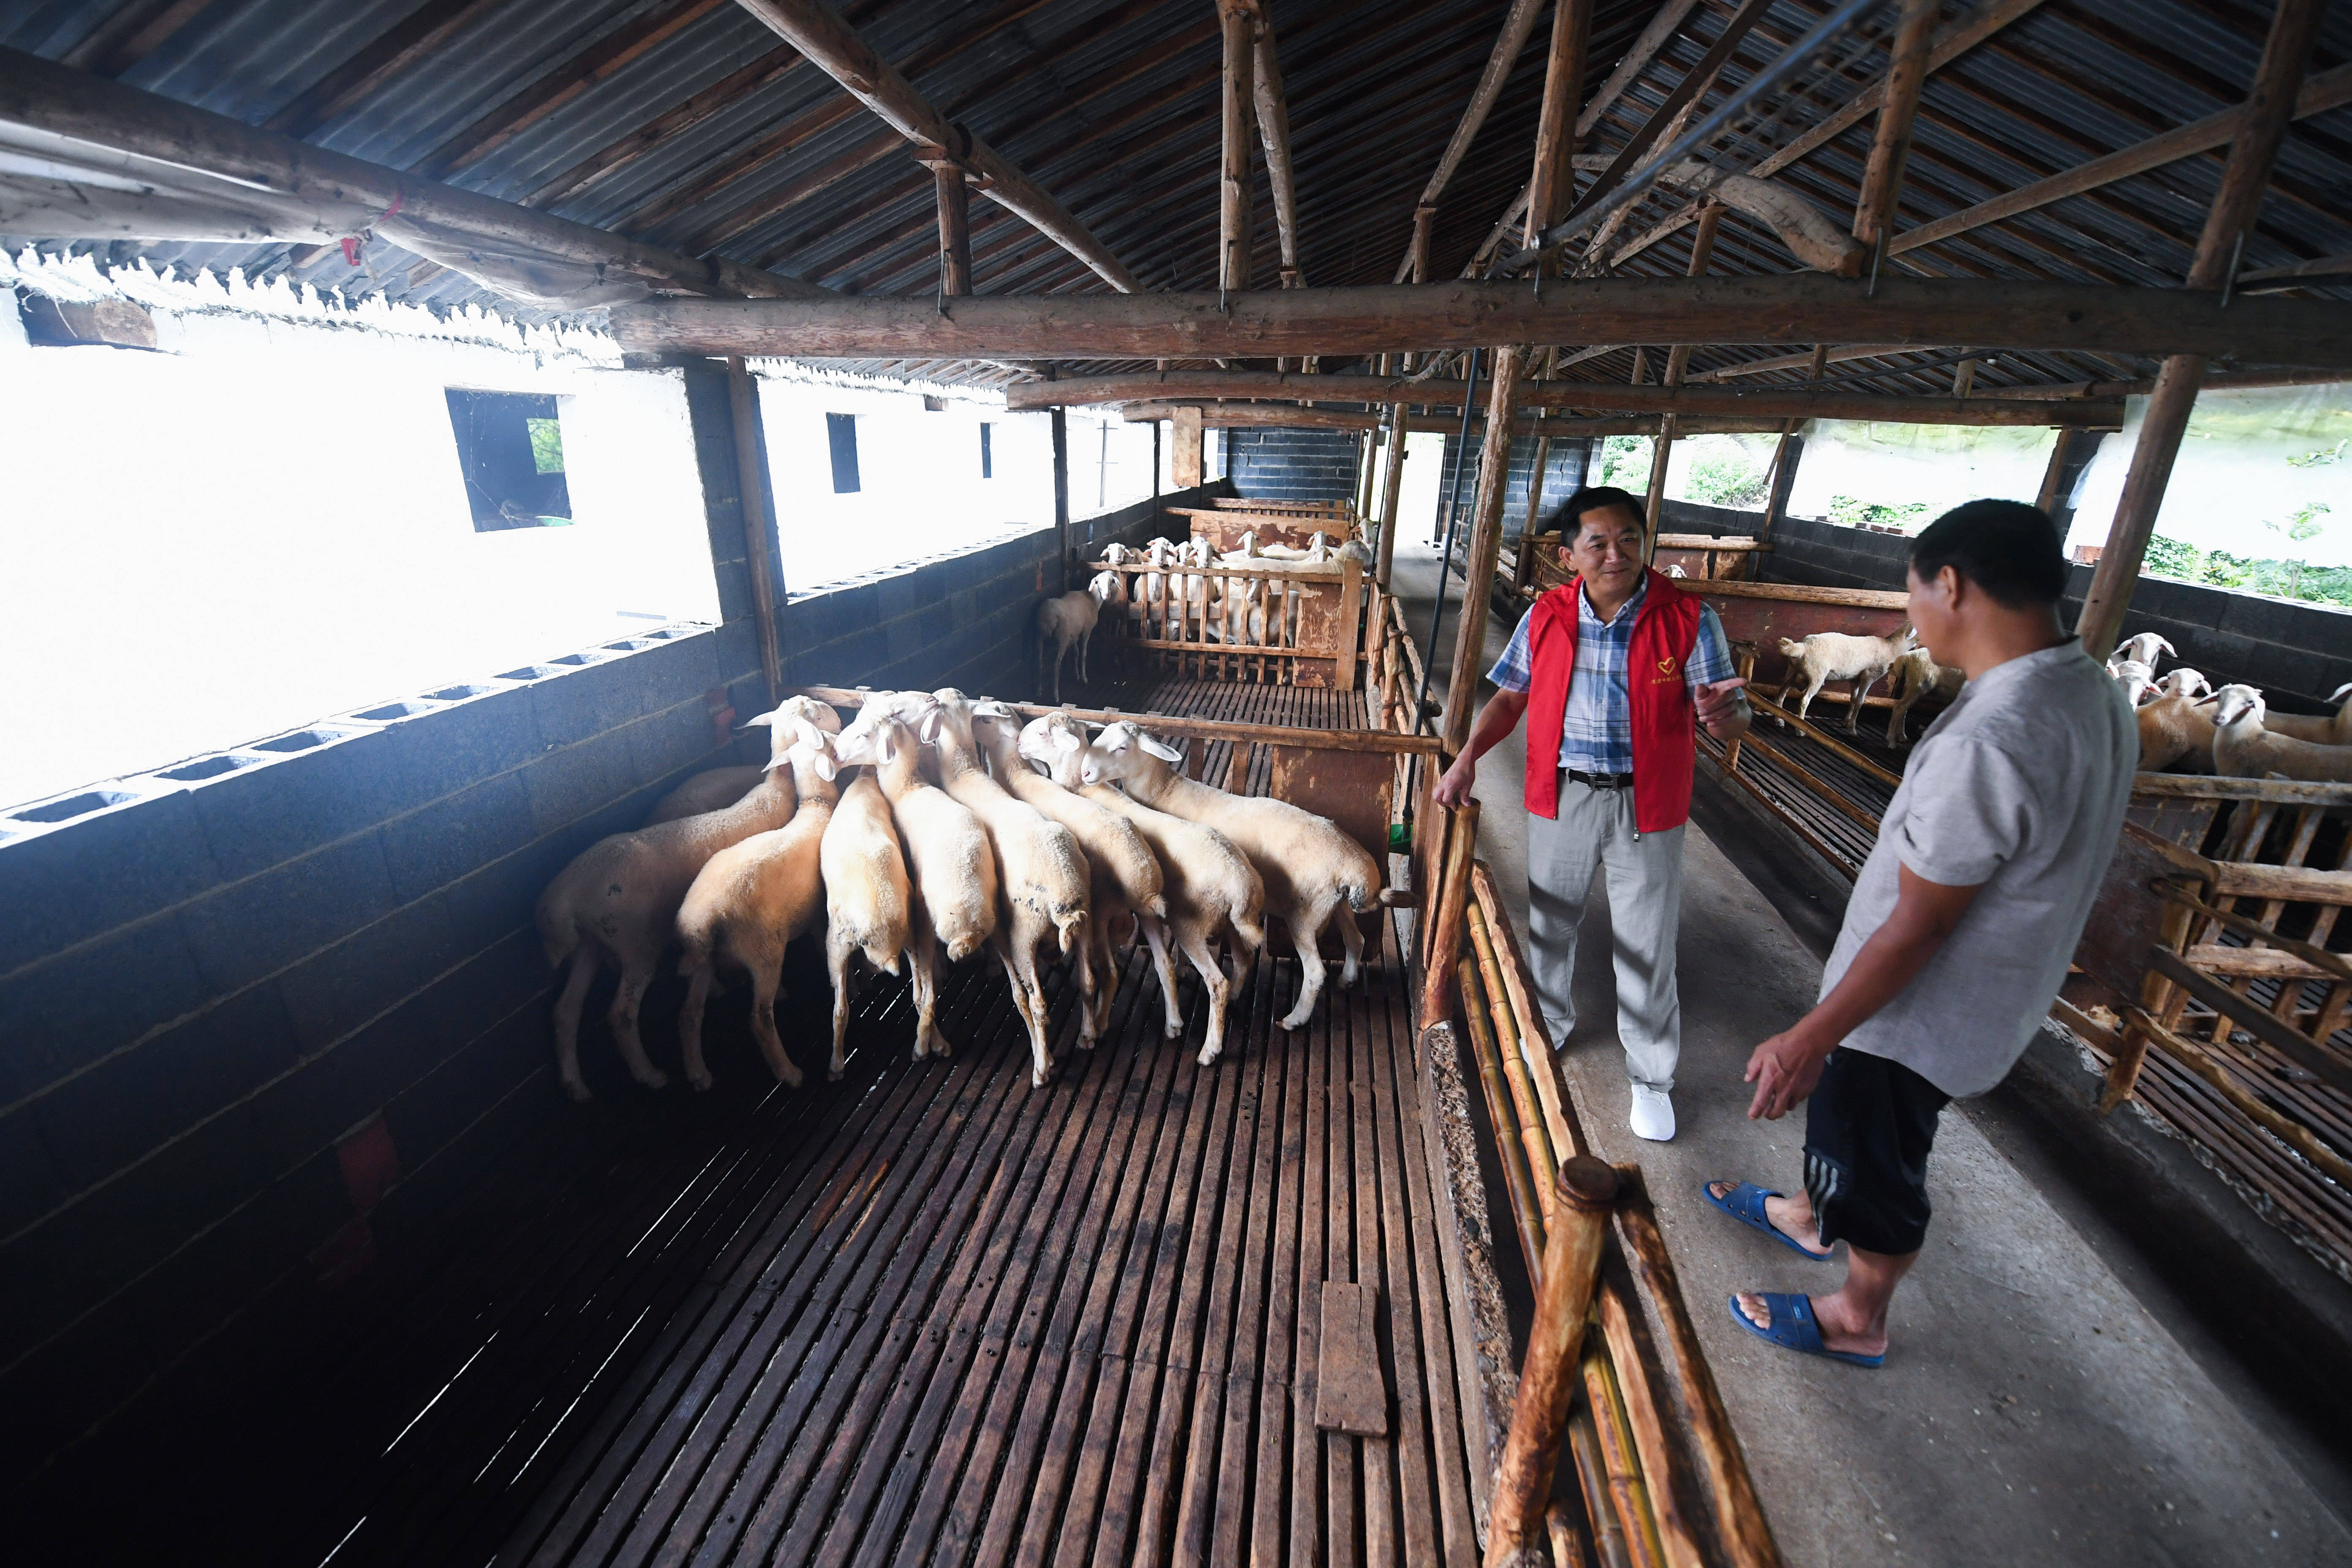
(2032, 1408)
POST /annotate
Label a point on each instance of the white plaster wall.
(263, 524)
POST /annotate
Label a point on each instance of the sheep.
(1041, 875)
(1070, 618)
(954, 870)
(2175, 729)
(868, 904)
(1355, 549)
(1120, 555)
(2140, 648)
(616, 904)
(2336, 731)
(1675, 570)
(2183, 681)
(1310, 869)
(1126, 876)
(1837, 656)
(713, 789)
(2243, 749)
(1152, 586)
(747, 904)
(2136, 678)
(1209, 886)
(1918, 675)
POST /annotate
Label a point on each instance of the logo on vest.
(1666, 665)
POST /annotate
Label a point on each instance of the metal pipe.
(1453, 519)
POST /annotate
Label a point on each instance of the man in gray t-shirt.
(1960, 927)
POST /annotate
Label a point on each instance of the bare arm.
(1500, 717)
(1785, 1068)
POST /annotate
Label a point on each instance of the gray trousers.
(1595, 826)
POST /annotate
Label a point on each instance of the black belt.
(1599, 781)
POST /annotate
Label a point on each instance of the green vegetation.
(1626, 463)
(546, 444)
(2286, 576)
(1855, 512)
(1727, 471)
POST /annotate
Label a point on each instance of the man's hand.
(1720, 705)
(1784, 1069)
(1453, 785)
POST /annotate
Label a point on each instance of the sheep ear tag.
(1161, 748)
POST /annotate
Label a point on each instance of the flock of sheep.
(2185, 723)
(1178, 598)
(961, 829)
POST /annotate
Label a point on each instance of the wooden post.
(1351, 611)
(1553, 182)
(1273, 133)
(2054, 475)
(955, 227)
(1392, 484)
(1964, 378)
(1185, 464)
(1710, 220)
(1366, 455)
(752, 485)
(1453, 844)
(1234, 239)
(2294, 28)
(1784, 473)
(1882, 179)
(1486, 545)
(1548, 1377)
(1522, 568)
(1062, 494)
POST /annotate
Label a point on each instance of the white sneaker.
(1654, 1115)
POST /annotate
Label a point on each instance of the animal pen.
(296, 1225)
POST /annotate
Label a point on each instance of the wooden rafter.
(1273, 111)
(1518, 25)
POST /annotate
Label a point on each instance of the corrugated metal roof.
(696, 127)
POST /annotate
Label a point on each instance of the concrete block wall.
(1564, 468)
(2296, 653)
(1294, 465)
(249, 993)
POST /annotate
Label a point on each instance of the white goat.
(2329, 730)
(2175, 729)
(747, 904)
(868, 903)
(2243, 748)
(1825, 657)
(616, 904)
(2136, 679)
(1310, 869)
(1070, 619)
(1917, 675)
(1126, 878)
(1152, 587)
(954, 907)
(1209, 886)
(2141, 648)
(713, 789)
(1041, 875)
(2183, 681)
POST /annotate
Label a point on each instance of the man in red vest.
(1614, 671)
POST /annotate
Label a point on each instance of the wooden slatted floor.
(926, 1314)
(1145, 690)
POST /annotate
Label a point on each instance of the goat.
(1825, 657)
(1069, 619)
(868, 902)
(2136, 678)
(2243, 749)
(2183, 681)
(2141, 648)
(1918, 675)
(713, 789)
(2331, 731)
(2175, 729)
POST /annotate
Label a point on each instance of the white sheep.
(1069, 619)
(2175, 729)
(2136, 679)
(2140, 648)
(1916, 675)
(1152, 586)
(954, 869)
(1042, 875)
(747, 904)
(713, 789)
(2243, 748)
(1209, 886)
(616, 904)
(1825, 657)
(868, 903)
(2183, 681)
(1314, 874)
(1126, 878)
(2329, 730)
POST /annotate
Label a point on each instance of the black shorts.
(1868, 1127)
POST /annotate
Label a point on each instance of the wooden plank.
(1177, 726)
(2329, 1065)
(1351, 1395)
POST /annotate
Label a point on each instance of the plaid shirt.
(1596, 732)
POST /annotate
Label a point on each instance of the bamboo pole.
(1486, 545)
(2295, 27)
(1510, 1137)
(2054, 475)
(1665, 1471)
(1583, 1194)
(1542, 1158)
(1392, 487)
(1234, 239)
(1882, 179)
(1561, 1120)
(752, 486)
(1593, 1482)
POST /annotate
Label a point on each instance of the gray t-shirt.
(2019, 785)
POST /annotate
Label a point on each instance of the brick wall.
(1563, 474)
(246, 994)
(2297, 653)
(1293, 465)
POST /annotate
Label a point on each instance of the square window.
(841, 430)
(510, 450)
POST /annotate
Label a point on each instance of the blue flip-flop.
(1794, 1329)
(1745, 1203)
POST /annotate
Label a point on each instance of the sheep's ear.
(1068, 742)
(989, 708)
(886, 746)
(2339, 691)
(824, 765)
(1161, 748)
(926, 728)
(761, 719)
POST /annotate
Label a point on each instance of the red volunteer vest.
(1665, 739)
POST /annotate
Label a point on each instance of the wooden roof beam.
(1518, 25)
(1235, 236)
(1906, 73)
(1274, 132)
(818, 31)
(1793, 308)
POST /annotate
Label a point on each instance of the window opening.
(841, 430)
(987, 463)
(510, 453)
(1102, 470)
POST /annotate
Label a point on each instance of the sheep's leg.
(1029, 998)
(1816, 681)
(1211, 971)
(1306, 935)
(923, 961)
(1156, 934)
(1351, 937)
(837, 949)
(689, 1024)
(1005, 955)
(767, 979)
(1106, 970)
(1085, 641)
(567, 1020)
(1082, 960)
(1862, 683)
(624, 1017)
